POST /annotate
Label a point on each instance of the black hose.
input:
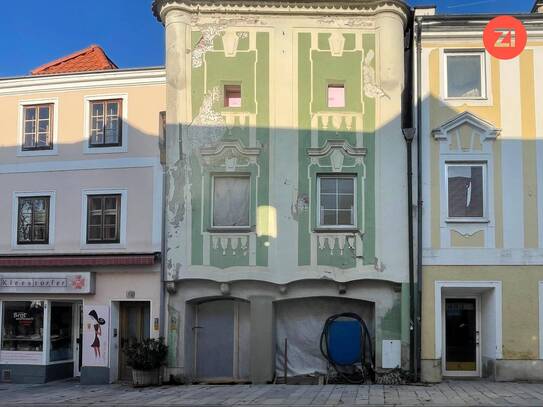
(356, 376)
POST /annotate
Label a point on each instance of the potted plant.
(146, 358)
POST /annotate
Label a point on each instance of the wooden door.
(133, 327)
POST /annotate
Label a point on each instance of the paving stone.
(454, 393)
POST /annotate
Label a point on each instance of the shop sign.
(55, 283)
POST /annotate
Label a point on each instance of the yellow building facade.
(481, 128)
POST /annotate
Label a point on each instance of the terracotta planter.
(142, 378)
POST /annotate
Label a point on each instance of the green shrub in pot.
(146, 358)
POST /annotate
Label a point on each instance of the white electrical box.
(391, 354)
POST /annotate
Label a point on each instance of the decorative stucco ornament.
(337, 43)
(371, 89)
(336, 159)
(230, 41)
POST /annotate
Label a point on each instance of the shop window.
(231, 201)
(33, 220)
(232, 96)
(22, 326)
(103, 218)
(105, 123)
(336, 201)
(61, 347)
(465, 78)
(336, 96)
(466, 191)
(37, 127)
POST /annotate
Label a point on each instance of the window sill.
(349, 230)
(467, 220)
(36, 153)
(105, 150)
(102, 246)
(32, 246)
(230, 230)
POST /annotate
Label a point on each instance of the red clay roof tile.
(92, 58)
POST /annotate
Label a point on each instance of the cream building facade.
(80, 230)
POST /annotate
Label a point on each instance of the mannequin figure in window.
(97, 332)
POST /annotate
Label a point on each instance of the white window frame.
(122, 223)
(15, 215)
(231, 175)
(485, 75)
(355, 199)
(484, 165)
(20, 127)
(123, 148)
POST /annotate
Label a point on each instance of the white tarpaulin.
(301, 321)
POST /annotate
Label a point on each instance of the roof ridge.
(101, 55)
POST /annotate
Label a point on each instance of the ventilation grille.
(6, 375)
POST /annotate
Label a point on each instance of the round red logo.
(505, 37)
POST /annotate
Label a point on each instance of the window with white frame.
(38, 127)
(103, 218)
(466, 190)
(33, 220)
(336, 200)
(231, 201)
(105, 123)
(465, 75)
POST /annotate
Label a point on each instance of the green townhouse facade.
(285, 186)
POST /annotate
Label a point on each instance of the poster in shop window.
(95, 335)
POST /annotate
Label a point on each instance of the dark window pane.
(345, 185)
(97, 109)
(336, 200)
(328, 217)
(464, 76)
(33, 220)
(345, 217)
(61, 346)
(22, 326)
(328, 185)
(466, 193)
(328, 201)
(102, 219)
(44, 113)
(346, 201)
(30, 113)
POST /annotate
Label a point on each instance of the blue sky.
(126, 29)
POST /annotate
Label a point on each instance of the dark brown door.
(134, 326)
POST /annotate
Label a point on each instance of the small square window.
(231, 201)
(336, 200)
(465, 75)
(232, 96)
(336, 95)
(466, 190)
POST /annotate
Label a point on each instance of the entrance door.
(222, 341)
(133, 327)
(461, 337)
(78, 334)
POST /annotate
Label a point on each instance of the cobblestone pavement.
(455, 393)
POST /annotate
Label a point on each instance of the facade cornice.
(351, 8)
(63, 82)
